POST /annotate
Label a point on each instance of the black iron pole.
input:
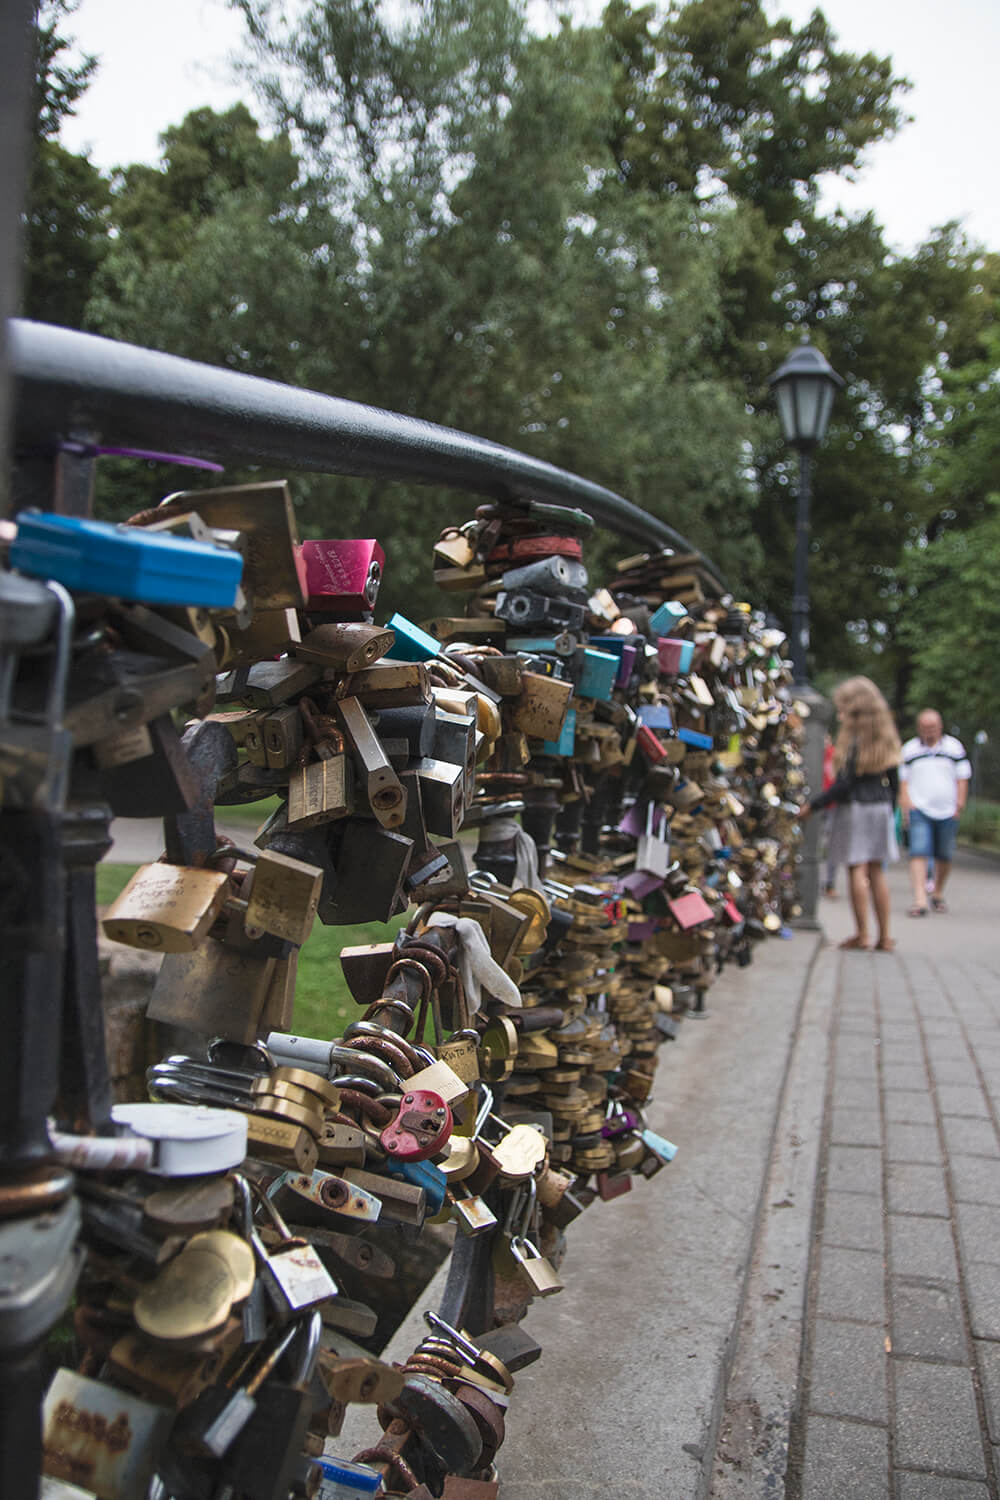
(76, 386)
(800, 594)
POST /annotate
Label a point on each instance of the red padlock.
(651, 747)
(341, 578)
(420, 1129)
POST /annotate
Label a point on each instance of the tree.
(67, 198)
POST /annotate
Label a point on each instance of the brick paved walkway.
(899, 1390)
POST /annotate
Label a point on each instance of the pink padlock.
(341, 578)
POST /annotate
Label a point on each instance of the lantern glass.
(804, 388)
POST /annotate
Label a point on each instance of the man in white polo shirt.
(933, 785)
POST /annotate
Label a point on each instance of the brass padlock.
(215, 990)
(166, 908)
(348, 646)
(541, 710)
(284, 896)
(321, 792)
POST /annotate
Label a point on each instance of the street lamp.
(804, 389)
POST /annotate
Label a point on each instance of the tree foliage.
(594, 245)
(67, 197)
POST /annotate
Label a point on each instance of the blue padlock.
(125, 562)
(667, 617)
(422, 1174)
(342, 1479)
(411, 643)
(694, 739)
(600, 669)
(564, 745)
(656, 715)
(659, 1144)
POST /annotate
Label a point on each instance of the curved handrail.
(76, 385)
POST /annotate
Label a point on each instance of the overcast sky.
(159, 61)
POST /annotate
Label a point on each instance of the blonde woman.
(863, 796)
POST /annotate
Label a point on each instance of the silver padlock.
(653, 849)
(101, 1437)
(35, 750)
(294, 1275)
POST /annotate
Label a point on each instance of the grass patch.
(323, 1003)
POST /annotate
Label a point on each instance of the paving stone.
(935, 1018)
(851, 1285)
(913, 1143)
(856, 1093)
(922, 1247)
(982, 1284)
(910, 1106)
(905, 1076)
(976, 1179)
(845, 1461)
(901, 1054)
(937, 1425)
(927, 1319)
(854, 1169)
(978, 1239)
(988, 1359)
(898, 1030)
(950, 1046)
(917, 1189)
(911, 1486)
(969, 1137)
(849, 1370)
(963, 1099)
(954, 1070)
(853, 1220)
(856, 1127)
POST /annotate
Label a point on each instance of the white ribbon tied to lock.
(499, 830)
(477, 966)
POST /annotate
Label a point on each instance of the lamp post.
(804, 389)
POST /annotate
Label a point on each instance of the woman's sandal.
(855, 942)
(888, 945)
(918, 911)
(938, 904)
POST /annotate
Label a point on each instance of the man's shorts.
(932, 837)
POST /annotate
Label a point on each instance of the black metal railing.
(76, 386)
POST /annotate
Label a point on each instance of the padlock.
(294, 1275)
(320, 792)
(541, 710)
(212, 1423)
(261, 1463)
(519, 1152)
(102, 1436)
(166, 908)
(653, 849)
(536, 1270)
(377, 780)
(346, 646)
(342, 577)
(35, 749)
(471, 1213)
(421, 1127)
(215, 990)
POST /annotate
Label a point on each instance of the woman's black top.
(848, 786)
